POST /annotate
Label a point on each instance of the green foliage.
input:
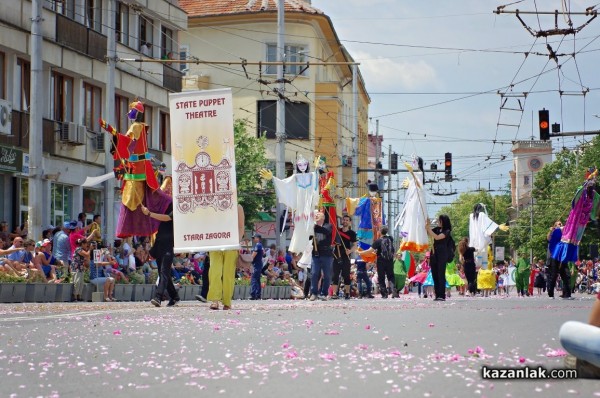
(553, 190)
(153, 277)
(7, 278)
(136, 278)
(184, 281)
(250, 157)
(242, 281)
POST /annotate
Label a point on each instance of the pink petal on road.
(328, 357)
(556, 353)
(117, 332)
(332, 332)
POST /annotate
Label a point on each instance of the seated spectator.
(46, 261)
(112, 269)
(98, 278)
(582, 341)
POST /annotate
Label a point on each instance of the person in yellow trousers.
(222, 271)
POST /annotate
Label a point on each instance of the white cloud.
(381, 73)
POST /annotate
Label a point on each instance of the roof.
(206, 8)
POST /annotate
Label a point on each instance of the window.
(93, 14)
(296, 119)
(184, 54)
(61, 98)
(61, 203)
(23, 78)
(164, 137)
(122, 24)
(166, 43)
(292, 54)
(146, 36)
(64, 7)
(121, 109)
(148, 119)
(525, 180)
(91, 202)
(23, 200)
(2, 76)
(92, 107)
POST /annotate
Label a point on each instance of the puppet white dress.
(481, 228)
(299, 192)
(411, 220)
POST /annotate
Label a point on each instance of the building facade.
(319, 99)
(74, 73)
(528, 158)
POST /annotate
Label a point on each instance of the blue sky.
(433, 69)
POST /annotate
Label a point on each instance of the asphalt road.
(406, 347)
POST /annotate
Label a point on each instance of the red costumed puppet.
(139, 182)
(326, 200)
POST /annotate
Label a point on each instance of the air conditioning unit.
(99, 140)
(72, 133)
(5, 117)
(81, 134)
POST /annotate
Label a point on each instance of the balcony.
(172, 78)
(80, 38)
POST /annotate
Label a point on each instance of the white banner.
(205, 214)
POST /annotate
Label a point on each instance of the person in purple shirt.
(554, 236)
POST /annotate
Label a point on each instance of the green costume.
(523, 273)
(399, 274)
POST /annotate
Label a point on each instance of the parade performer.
(413, 216)
(481, 228)
(583, 207)
(452, 277)
(404, 266)
(486, 278)
(421, 276)
(370, 210)
(300, 193)
(140, 185)
(327, 196)
(523, 273)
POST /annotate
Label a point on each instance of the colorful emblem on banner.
(205, 184)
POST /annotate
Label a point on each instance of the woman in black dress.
(439, 257)
(468, 255)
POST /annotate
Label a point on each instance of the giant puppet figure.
(327, 196)
(481, 228)
(300, 193)
(139, 182)
(413, 216)
(370, 210)
(583, 208)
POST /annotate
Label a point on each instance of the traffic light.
(448, 167)
(394, 163)
(544, 125)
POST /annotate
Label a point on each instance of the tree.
(554, 188)
(250, 157)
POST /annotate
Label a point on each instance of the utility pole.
(377, 151)
(280, 131)
(36, 161)
(355, 164)
(389, 188)
(109, 112)
(531, 223)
